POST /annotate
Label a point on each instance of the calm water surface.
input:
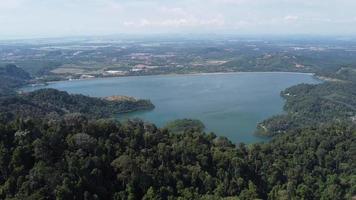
(230, 105)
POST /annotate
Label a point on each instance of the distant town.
(89, 58)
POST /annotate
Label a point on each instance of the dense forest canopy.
(182, 125)
(55, 145)
(11, 77)
(51, 103)
(313, 104)
(77, 158)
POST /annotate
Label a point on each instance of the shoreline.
(188, 74)
(264, 138)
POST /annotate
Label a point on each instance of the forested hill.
(54, 145)
(12, 77)
(51, 103)
(77, 158)
(308, 105)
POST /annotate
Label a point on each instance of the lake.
(229, 104)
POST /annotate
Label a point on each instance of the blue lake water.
(230, 105)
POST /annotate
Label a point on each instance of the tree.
(249, 193)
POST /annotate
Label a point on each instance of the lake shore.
(230, 104)
(184, 74)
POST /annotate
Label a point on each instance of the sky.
(57, 18)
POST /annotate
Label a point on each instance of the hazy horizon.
(68, 18)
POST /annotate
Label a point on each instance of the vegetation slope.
(80, 156)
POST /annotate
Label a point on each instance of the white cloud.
(176, 23)
(172, 10)
(56, 17)
(291, 18)
(10, 4)
(231, 1)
